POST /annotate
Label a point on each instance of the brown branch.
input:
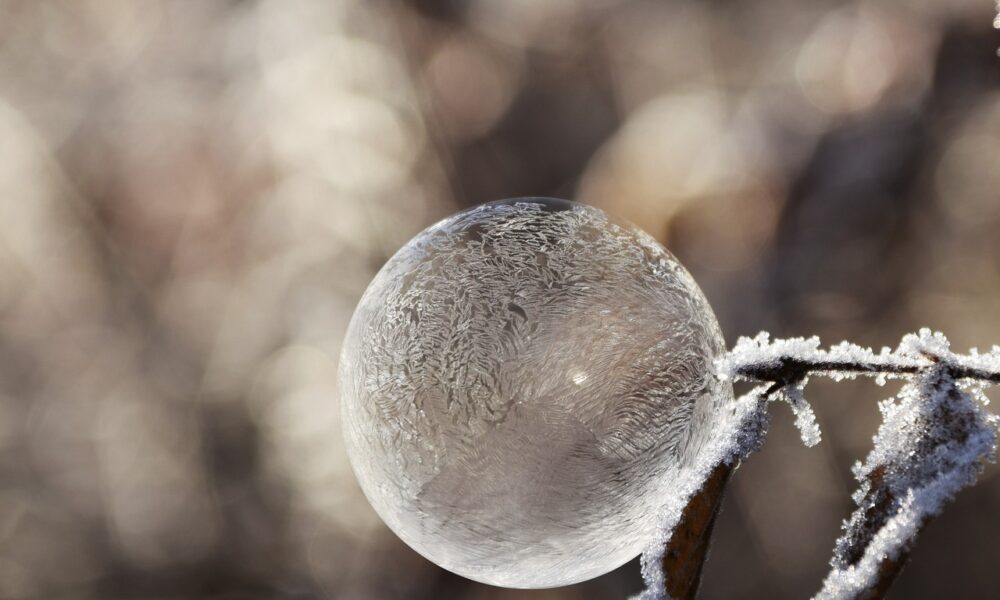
(684, 558)
(789, 370)
(880, 500)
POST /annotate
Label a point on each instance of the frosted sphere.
(521, 385)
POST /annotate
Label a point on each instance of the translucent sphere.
(521, 384)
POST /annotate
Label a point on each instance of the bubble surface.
(520, 383)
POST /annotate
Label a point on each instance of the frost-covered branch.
(672, 564)
(790, 362)
(933, 442)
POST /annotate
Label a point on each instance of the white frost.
(805, 418)
(761, 351)
(732, 440)
(933, 442)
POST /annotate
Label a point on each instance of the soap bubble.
(521, 383)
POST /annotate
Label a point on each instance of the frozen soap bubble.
(522, 383)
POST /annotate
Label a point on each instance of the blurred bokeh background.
(194, 194)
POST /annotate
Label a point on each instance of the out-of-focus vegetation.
(193, 196)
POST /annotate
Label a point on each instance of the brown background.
(193, 195)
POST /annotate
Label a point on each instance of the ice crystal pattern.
(522, 386)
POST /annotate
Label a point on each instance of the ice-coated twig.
(932, 443)
(787, 362)
(671, 565)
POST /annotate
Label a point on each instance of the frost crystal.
(805, 418)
